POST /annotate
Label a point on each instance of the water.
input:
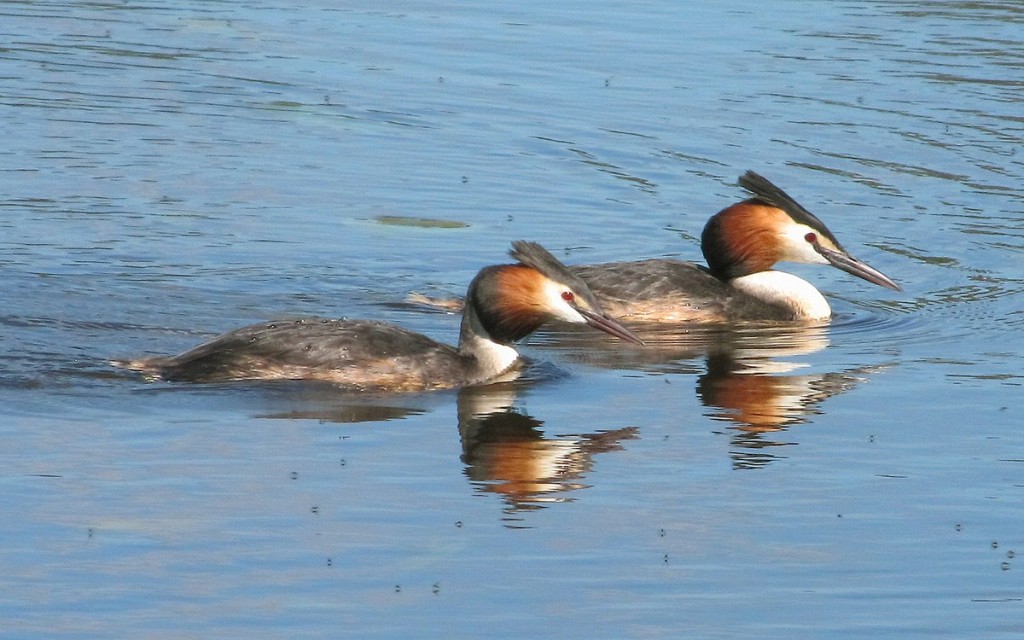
(173, 170)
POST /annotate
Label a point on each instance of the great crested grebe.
(741, 243)
(506, 303)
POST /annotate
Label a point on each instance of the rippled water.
(173, 170)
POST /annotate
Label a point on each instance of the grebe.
(741, 243)
(506, 303)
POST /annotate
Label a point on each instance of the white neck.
(785, 290)
(491, 358)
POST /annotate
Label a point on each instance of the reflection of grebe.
(506, 303)
(761, 396)
(508, 453)
(741, 243)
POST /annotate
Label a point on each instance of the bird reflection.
(324, 402)
(507, 452)
(757, 403)
(753, 379)
(748, 379)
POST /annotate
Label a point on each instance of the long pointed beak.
(851, 265)
(606, 324)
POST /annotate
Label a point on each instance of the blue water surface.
(170, 171)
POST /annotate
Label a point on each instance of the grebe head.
(512, 301)
(751, 236)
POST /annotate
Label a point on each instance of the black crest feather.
(766, 191)
(534, 255)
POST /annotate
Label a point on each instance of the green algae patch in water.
(427, 223)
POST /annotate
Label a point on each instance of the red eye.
(568, 296)
(811, 238)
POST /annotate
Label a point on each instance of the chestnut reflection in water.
(507, 452)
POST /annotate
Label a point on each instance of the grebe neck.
(486, 337)
(484, 356)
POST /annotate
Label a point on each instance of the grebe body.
(505, 303)
(665, 290)
(741, 244)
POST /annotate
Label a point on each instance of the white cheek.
(795, 247)
(557, 307)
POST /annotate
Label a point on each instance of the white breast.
(785, 289)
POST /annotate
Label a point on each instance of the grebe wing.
(300, 348)
(665, 290)
(647, 279)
